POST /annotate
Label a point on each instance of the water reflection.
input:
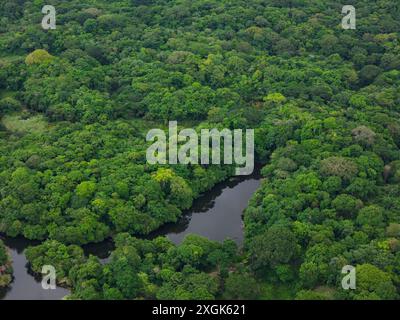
(217, 215)
(101, 250)
(25, 285)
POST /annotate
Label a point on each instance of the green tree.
(275, 246)
(373, 282)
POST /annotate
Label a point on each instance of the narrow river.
(216, 215)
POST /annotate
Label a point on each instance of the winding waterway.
(216, 215)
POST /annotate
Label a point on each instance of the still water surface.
(216, 215)
(25, 285)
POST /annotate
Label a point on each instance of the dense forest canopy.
(76, 104)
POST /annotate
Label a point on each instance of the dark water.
(217, 215)
(101, 250)
(25, 285)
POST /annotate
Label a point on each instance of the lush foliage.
(146, 269)
(5, 266)
(77, 101)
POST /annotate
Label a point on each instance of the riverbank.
(217, 215)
